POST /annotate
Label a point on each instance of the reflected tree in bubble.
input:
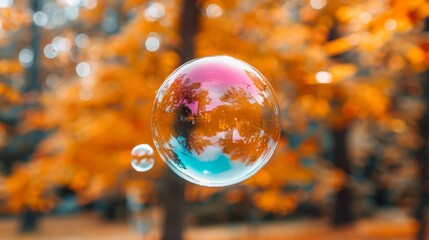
(180, 97)
(245, 141)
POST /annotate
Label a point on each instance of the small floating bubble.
(142, 159)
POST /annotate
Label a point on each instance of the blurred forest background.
(77, 82)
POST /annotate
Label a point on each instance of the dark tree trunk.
(175, 206)
(113, 208)
(342, 212)
(33, 72)
(423, 157)
(28, 220)
(420, 214)
(188, 29)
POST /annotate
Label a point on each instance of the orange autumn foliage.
(99, 118)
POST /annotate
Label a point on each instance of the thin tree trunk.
(33, 72)
(175, 206)
(420, 214)
(28, 221)
(423, 157)
(342, 213)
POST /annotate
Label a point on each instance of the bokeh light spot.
(26, 57)
(318, 4)
(152, 43)
(214, 11)
(83, 69)
(323, 77)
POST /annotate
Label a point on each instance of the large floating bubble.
(215, 121)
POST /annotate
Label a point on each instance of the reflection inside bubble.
(215, 121)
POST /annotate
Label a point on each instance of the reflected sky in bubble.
(215, 121)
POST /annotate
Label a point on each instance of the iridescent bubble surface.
(215, 121)
(142, 159)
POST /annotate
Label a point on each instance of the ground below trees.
(387, 225)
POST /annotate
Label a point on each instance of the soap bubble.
(215, 121)
(142, 159)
